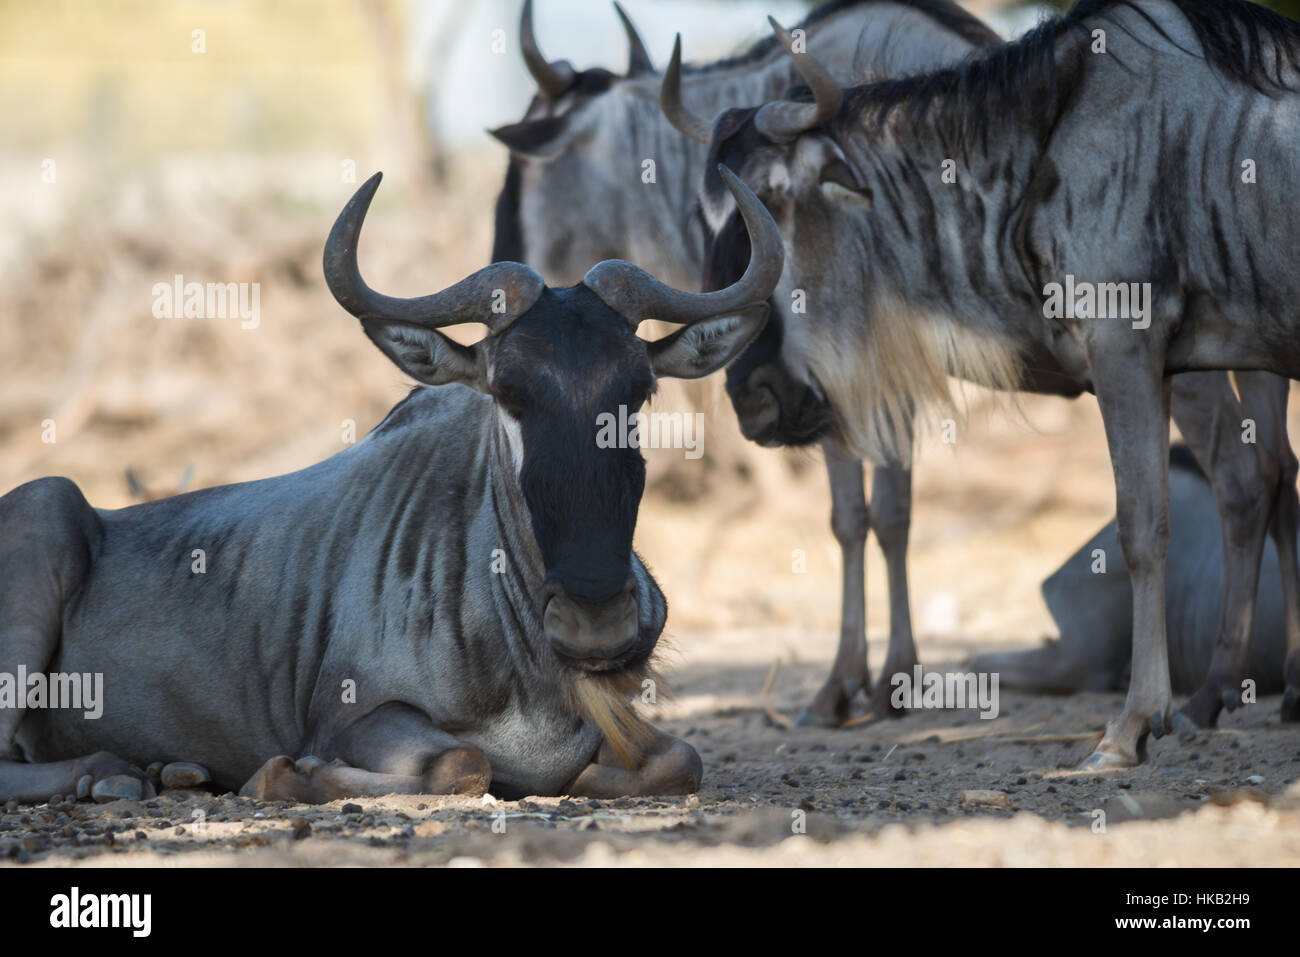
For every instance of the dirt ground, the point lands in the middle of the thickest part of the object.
(879, 796)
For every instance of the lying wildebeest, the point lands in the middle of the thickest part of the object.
(591, 131)
(1090, 598)
(452, 601)
(774, 388)
(960, 210)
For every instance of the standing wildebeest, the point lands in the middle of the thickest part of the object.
(588, 133)
(775, 389)
(1112, 152)
(467, 569)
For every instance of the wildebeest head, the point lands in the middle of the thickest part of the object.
(777, 150)
(556, 362)
(569, 115)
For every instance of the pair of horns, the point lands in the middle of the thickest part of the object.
(554, 78)
(780, 121)
(499, 294)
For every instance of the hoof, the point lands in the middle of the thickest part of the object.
(1160, 724)
(462, 770)
(183, 774)
(1291, 705)
(276, 780)
(120, 787)
(1184, 724)
(811, 719)
(1105, 761)
(84, 784)
(309, 763)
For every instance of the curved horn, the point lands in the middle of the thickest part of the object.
(638, 58)
(670, 101)
(637, 296)
(782, 120)
(470, 300)
(551, 80)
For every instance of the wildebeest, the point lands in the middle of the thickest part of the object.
(452, 601)
(778, 400)
(977, 213)
(1091, 601)
(590, 132)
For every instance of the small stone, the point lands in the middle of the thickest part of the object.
(984, 798)
(1255, 779)
(351, 809)
(118, 787)
(301, 828)
(1227, 797)
(184, 774)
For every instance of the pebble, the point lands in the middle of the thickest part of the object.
(184, 774)
(984, 798)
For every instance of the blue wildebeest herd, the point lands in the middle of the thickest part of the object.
(846, 216)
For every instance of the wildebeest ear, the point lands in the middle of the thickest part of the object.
(706, 346)
(428, 356)
(542, 139)
(839, 173)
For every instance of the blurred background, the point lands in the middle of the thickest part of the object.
(218, 139)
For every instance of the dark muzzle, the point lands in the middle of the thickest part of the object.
(592, 636)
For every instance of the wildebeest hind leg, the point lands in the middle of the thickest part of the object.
(1261, 391)
(45, 531)
(395, 749)
(1210, 418)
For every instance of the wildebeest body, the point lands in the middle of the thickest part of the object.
(355, 569)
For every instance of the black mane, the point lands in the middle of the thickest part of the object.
(1018, 81)
(944, 12)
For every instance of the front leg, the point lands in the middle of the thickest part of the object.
(1133, 393)
(394, 749)
(671, 766)
(891, 520)
(850, 522)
